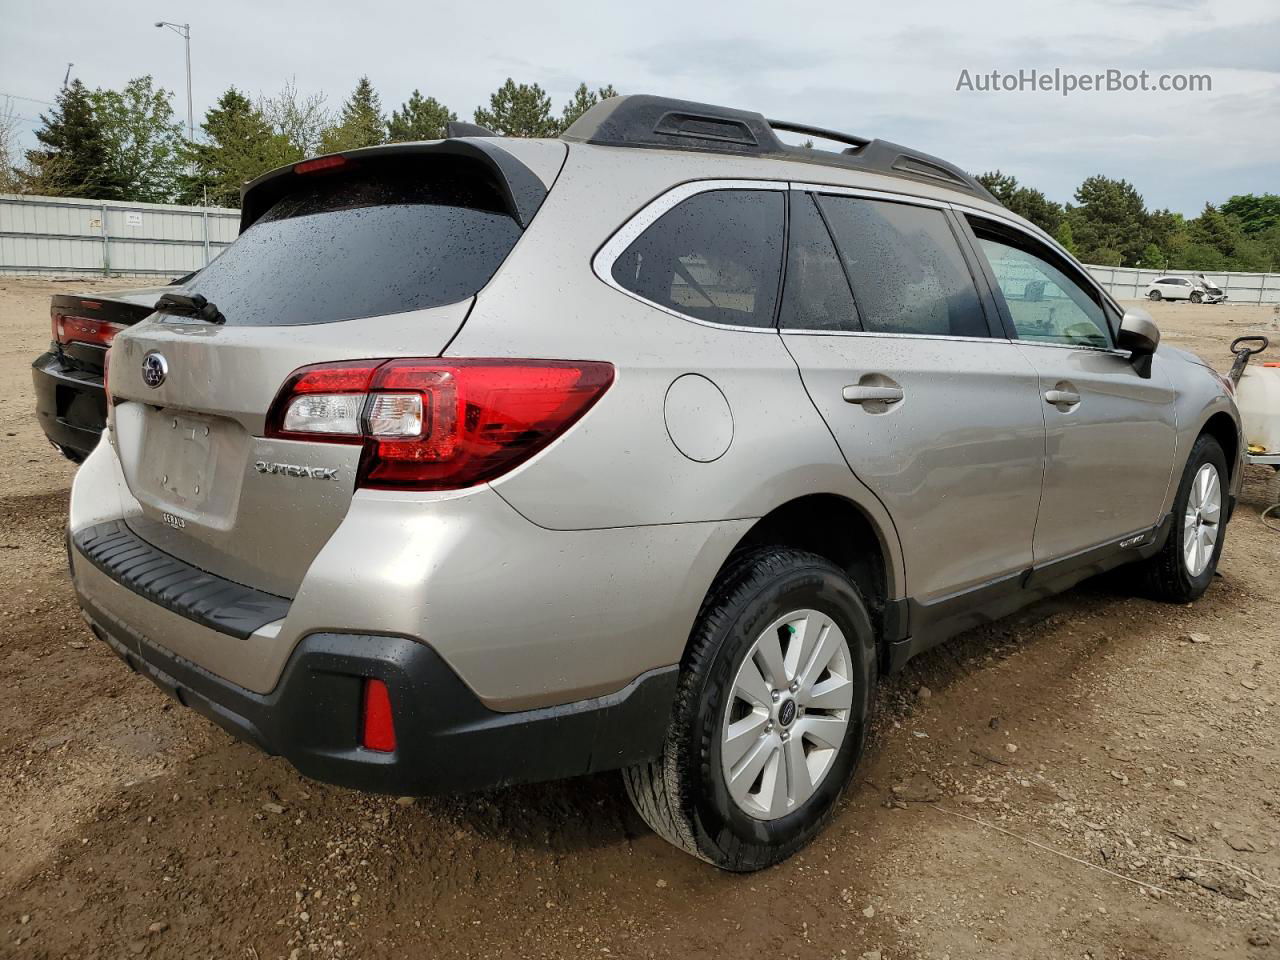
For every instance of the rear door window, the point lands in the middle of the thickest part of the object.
(388, 238)
(907, 271)
(815, 293)
(716, 256)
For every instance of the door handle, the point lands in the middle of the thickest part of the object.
(1062, 398)
(861, 394)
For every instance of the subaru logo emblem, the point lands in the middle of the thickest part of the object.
(154, 369)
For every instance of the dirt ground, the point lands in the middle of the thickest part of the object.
(1098, 777)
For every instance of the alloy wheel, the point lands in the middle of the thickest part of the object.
(788, 714)
(1202, 523)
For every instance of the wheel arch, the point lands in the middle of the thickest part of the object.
(847, 534)
(1222, 427)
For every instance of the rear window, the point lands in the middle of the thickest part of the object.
(385, 240)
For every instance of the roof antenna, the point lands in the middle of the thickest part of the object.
(67, 76)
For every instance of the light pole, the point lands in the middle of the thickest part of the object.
(184, 31)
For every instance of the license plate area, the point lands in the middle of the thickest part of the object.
(189, 468)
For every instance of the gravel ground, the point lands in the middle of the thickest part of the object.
(1098, 777)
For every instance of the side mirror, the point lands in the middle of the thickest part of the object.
(1140, 336)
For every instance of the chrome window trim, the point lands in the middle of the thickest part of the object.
(803, 332)
(870, 194)
(1039, 235)
(1115, 351)
(602, 263)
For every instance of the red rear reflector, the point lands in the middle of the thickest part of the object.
(377, 730)
(319, 164)
(438, 424)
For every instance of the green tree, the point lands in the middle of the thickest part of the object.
(239, 144)
(144, 143)
(361, 123)
(1153, 258)
(74, 159)
(419, 118)
(1111, 220)
(1065, 237)
(1256, 213)
(1215, 229)
(522, 110)
(583, 100)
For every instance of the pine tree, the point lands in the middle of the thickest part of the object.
(239, 145)
(361, 123)
(522, 110)
(75, 160)
(419, 118)
(582, 101)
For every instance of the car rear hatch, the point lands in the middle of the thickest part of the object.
(374, 254)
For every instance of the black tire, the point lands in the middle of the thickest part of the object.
(683, 795)
(1155, 295)
(1165, 575)
(1196, 296)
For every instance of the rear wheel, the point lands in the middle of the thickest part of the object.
(1184, 567)
(770, 715)
(1154, 295)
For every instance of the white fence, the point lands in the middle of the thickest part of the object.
(66, 236)
(1129, 283)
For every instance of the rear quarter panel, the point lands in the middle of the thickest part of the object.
(619, 466)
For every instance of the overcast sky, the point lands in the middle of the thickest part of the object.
(880, 70)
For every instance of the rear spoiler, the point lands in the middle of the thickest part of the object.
(521, 187)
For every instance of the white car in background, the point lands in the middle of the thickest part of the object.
(1175, 288)
(1197, 290)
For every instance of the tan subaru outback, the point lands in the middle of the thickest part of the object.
(647, 448)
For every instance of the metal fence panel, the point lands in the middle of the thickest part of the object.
(64, 235)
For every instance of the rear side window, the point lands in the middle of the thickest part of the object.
(716, 256)
(385, 239)
(907, 271)
(815, 294)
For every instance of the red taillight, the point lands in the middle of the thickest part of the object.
(377, 728)
(437, 425)
(319, 164)
(71, 329)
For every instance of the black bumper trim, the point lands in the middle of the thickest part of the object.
(446, 739)
(176, 585)
(81, 426)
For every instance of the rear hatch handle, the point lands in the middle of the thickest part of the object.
(194, 305)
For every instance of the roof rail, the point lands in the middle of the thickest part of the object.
(641, 120)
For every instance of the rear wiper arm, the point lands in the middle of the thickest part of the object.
(194, 305)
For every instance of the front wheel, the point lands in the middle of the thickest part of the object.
(770, 715)
(1196, 296)
(1184, 567)
(1154, 295)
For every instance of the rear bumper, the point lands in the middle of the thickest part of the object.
(71, 404)
(447, 741)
